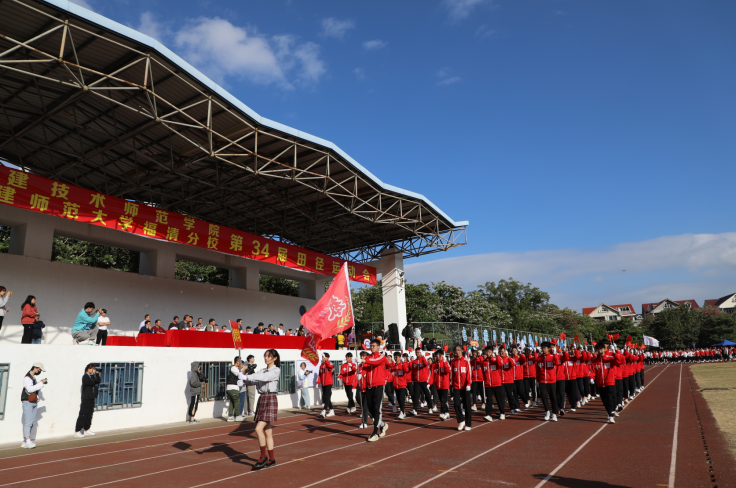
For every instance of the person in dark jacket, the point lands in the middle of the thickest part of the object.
(87, 408)
(196, 378)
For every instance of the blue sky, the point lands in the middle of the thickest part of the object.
(579, 138)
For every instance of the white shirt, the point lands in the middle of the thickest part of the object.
(281, 331)
(142, 324)
(234, 370)
(103, 322)
(29, 386)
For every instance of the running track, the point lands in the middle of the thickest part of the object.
(640, 450)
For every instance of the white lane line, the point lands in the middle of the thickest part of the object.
(163, 455)
(563, 463)
(139, 447)
(454, 468)
(252, 452)
(40, 453)
(673, 459)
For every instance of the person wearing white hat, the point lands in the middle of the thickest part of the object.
(29, 397)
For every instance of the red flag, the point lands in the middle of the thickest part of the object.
(594, 343)
(628, 338)
(536, 344)
(446, 347)
(615, 337)
(586, 343)
(563, 336)
(576, 338)
(237, 340)
(332, 314)
(410, 349)
(554, 341)
(465, 348)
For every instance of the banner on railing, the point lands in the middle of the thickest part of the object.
(32, 192)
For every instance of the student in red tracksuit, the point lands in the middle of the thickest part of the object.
(441, 375)
(640, 380)
(399, 371)
(476, 365)
(522, 394)
(390, 393)
(507, 367)
(325, 380)
(583, 381)
(594, 393)
(420, 375)
(430, 385)
(529, 370)
(571, 377)
(604, 364)
(348, 373)
(560, 384)
(375, 372)
(361, 396)
(461, 384)
(547, 378)
(619, 379)
(493, 382)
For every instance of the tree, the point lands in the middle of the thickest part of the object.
(202, 273)
(4, 238)
(716, 327)
(514, 297)
(675, 327)
(279, 286)
(368, 303)
(68, 250)
(421, 303)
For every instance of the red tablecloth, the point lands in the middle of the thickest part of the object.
(263, 341)
(194, 338)
(120, 341)
(151, 340)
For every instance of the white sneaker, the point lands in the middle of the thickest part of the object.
(518, 410)
(526, 405)
(473, 408)
(442, 416)
(447, 416)
(488, 418)
(322, 414)
(547, 415)
(79, 434)
(373, 438)
(231, 419)
(331, 413)
(578, 404)
(394, 408)
(461, 426)
(554, 418)
(28, 444)
(362, 426)
(611, 420)
(384, 428)
(88, 432)
(502, 416)
(424, 404)
(468, 428)
(483, 406)
(414, 412)
(239, 418)
(402, 416)
(615, 413)
(572, 409)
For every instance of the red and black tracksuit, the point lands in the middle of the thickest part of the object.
(461, 385)
(570, 371)
(521, 392)
(376, 368)
(325, 380)
(529, 370)
(399, 371)
(441, 378)
(420, 375)
(348, 375)
(493, 383)
(561, 382)
(476, 364)
(605, 379)
(508, 370)
(547, 379)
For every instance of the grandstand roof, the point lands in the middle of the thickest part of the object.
(95, 103)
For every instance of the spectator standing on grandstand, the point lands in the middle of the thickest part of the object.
(281, 330)
(233, 391)
(174, 325)
(157, 329)
(4, 297)
(28, 316)
(102, 324)
(143, 322)
(29, 399)
(248, 392)
(196, 378)
(87, 408)
(303, 383)
(325, 379)
(85, 326)
(267, 383)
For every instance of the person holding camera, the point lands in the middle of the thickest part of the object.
(196, 378)
(29, 398)
(232, 389)
(85, 326)
(4, 297)
(303, 376)
(248, 392)
(90, 379)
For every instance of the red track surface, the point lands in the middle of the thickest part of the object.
(521, 451)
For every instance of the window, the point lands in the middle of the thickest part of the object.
(669, 305)
(624, 309)
(336, 382)
(287, 378)
(613, 317)
(121, 386)
(688, 304)
(215, 373)
(4, 374)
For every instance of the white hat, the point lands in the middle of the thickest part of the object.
(39, 365)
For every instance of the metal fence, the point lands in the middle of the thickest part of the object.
(336, 382)
(215, 373)
(287, 378)
(452, 333)
(4, 375)
(121, 386)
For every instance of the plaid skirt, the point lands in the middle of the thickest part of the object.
(267, 408)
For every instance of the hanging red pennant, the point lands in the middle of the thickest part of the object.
(576, 339)
(563, 336)
(615, 337)
(446, 347)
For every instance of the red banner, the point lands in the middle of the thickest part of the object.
(33, 192)
(237, 340)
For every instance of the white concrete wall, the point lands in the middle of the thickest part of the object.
(165, 386)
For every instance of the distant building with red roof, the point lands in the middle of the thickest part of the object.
(657, 307)
(605, 313)
(725, 304)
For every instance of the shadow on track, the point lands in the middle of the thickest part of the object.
(577, 483)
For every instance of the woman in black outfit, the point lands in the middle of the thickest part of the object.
(87, 408)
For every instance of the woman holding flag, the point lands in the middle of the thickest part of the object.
(267, 384)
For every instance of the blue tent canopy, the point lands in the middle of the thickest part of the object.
(725, 342)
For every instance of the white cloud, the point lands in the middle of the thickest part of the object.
(374, 45)
(332, 27)
(83, 3)
(221, 49)
(680, 267)
(445, 78)
(359, 73)
(484, 31)
(150, 26)
(460, 9)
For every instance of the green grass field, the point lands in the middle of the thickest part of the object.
(721, 402)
